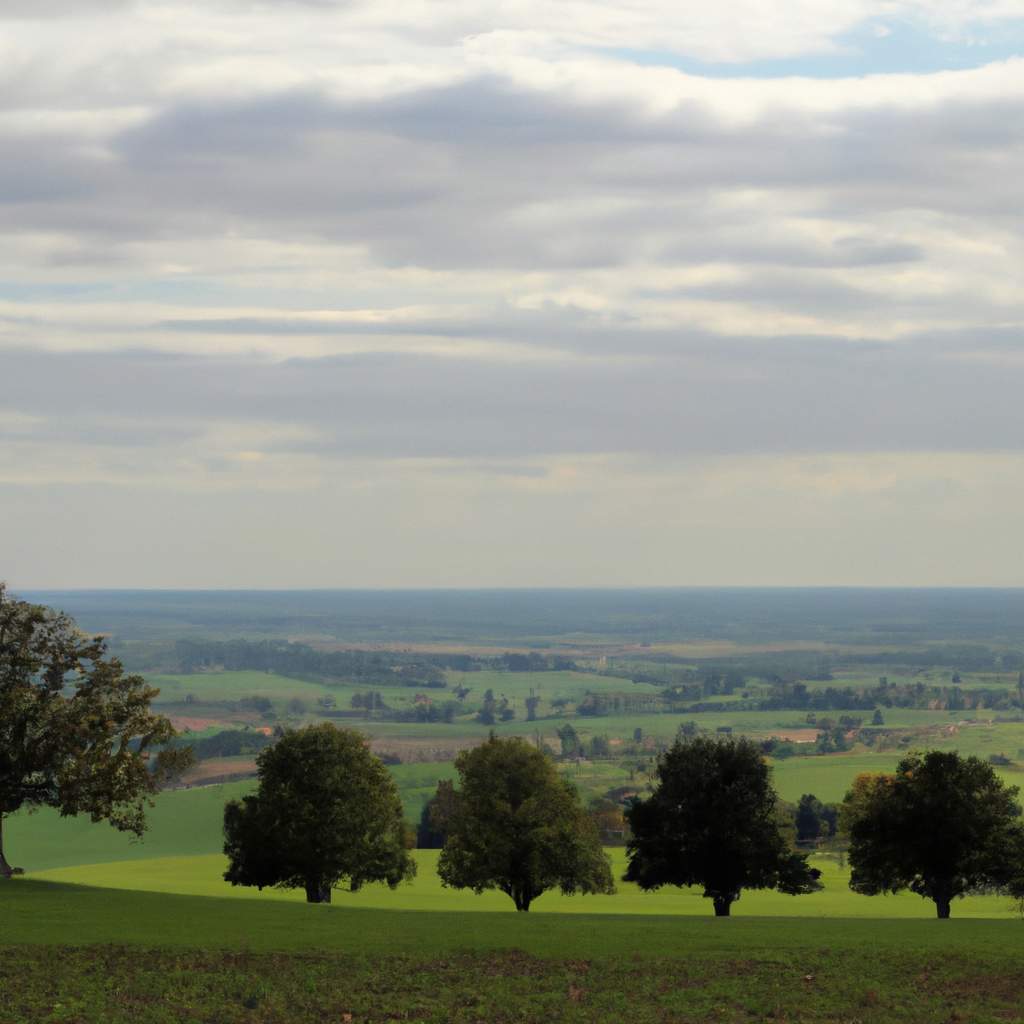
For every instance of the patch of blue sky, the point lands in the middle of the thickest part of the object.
(874, 47)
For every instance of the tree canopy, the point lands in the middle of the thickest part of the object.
(326, 812)
(76, 733)
(516, 825)
(942, 826)
(712, 821)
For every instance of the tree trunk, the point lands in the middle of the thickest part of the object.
(522, 900)
(317, 891)
(5, 869)
(942, 907)
(722, 905)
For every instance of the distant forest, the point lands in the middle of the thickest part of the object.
(543, 618)
(379, 668)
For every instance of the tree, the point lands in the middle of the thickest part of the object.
(712, 821)
(943, 826)
(76, 733)
(326, 811)
(569, 740)
(532, 703)
(814, 820)
(487, 713)
(433, 827)
(518, 826)
(607, 817)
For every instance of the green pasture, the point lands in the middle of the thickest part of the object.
(182, 822)
(417, 783)
(203, 876)
(218, 687)
(867, 678)
(829, 777)
(75, 954)
(232, 686)
(47, 912)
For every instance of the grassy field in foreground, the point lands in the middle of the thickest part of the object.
(203, 876)
(116, 986)
(36, 912)
(87, 955)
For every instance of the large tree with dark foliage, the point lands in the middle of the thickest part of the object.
(327, 811)
(943, 826)
(712, 821)
(518, 826)
(76, 733)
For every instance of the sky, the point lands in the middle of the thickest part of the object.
(440, 293)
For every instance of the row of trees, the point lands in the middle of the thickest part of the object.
(327, 813)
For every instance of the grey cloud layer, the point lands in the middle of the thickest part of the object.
(487, 173)
(797, 396)
(801, 214)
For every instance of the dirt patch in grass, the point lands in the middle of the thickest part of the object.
(218, 768)
(198, 723)
(793, 735)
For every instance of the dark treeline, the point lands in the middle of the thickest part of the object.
(762, 695)
(377, 668)
(711, 678)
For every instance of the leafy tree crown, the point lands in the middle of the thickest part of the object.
(516, 825)
(712, 821)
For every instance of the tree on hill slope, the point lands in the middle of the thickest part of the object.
(942, 826)
(327, 811)
(76, 733)
(712, 821)
(516, 825)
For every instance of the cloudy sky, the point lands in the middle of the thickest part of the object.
(510, 292)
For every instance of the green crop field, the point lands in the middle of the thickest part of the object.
(225, 686)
